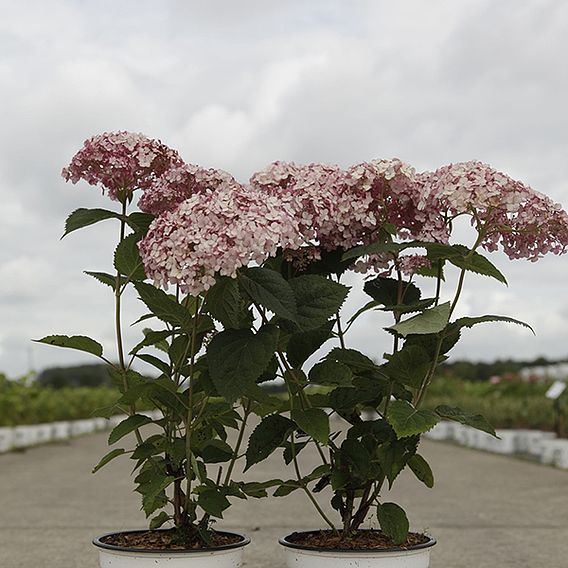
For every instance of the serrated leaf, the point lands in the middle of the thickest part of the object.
(303, 344)
(163, 306)
(237, 358)
(430, 321)
(456, 414)
(330, 372)
(314, 422)
(408, 421)
(155, 362)
(140, 222)
(104, 278)
(386, 291)
(224, 302)
(212, 501)
(77, 342)
(471, 321)
(269, 289)
(126, 426)
(393, 521)
(215, 451)
(84, 217)
(421, 470)
(475, 262)
(266, 437)
(409, 365)
(159, 520)
(153, 338)
(109, 457)
(354, 359)
(127, 258)
(317, 299)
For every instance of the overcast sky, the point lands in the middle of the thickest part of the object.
(236, 85)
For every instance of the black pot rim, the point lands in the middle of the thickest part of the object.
(377, 551)
(100, 544)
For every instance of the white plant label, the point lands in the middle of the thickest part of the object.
(555, 390)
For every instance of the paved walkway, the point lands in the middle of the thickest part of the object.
(486, 511)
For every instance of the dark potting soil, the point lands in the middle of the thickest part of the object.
(363, 539)
(166, 540)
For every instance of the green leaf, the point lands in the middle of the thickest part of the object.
(237, 358)
(78, 342)
(475, 262)
(303, 344)
(224, 302)
(409, 365)
(386, 290)
(163, 306)
(155, 362)
(104, 278)
(456, 414)
(215, 451)
(212, 501)
(330, 372)
(84, 217)
(471, 321)
(127, 258)
(354, 359)
(151, 337)
(126, 426)
(269, 289)
(433, 320)
(314, 422)
(286, 488)
(108, 457)
(393, 521)
(421, 470)
(317, 299)
(159, 520)
(140, 222)
(266, 437)
(408, 421)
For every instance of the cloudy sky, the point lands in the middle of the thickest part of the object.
(236, 85)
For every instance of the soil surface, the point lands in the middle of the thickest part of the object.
(363, 539)
(166, 540)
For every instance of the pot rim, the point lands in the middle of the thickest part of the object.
(340, 551)
(100, 544)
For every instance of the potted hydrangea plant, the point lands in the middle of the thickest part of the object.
(370, 218)
(184, 458)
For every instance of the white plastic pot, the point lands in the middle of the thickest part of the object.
(461, 434)
(529, 441)
(227, 556)
(505, 444)
(61, 430)
(6, 439)
(81, 427)
(101, 423)
(300, 556)
(25, 436)
(555, 452)
(44, 433)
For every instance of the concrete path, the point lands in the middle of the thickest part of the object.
(486, 511)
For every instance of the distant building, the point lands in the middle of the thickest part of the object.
(557, 372)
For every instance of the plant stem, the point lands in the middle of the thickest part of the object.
(247, 411)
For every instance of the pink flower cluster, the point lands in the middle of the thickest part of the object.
(524, 222)
(216, 232)
(121, 162)
(177, 184)
(207, 223)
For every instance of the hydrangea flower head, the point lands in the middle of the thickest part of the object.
(120, 162)
(216, 231)
(506, 212)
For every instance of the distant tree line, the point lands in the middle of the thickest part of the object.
(482, 371)
(93, 375)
